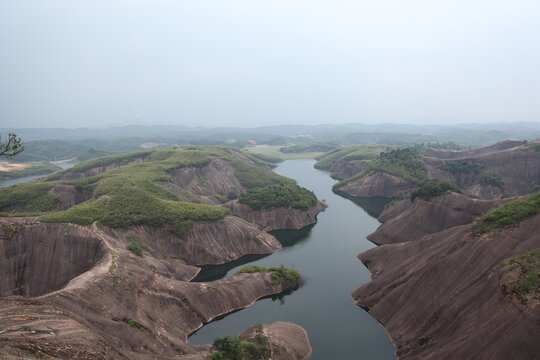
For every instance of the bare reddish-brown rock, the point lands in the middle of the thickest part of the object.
(288, 341)
(423, 217)
(440, 296)
(378, 184)
(277, 218)
(143, 307)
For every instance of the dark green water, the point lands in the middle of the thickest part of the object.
(325, 254)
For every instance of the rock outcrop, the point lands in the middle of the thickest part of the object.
(423, 217)
(440, 297)
(277, 218)
(215, 178)
(141, 307)
(438, 289)
(378, 184)
(288, 341)
(346, 169)
(516, 162)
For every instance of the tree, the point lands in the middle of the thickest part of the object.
(12, 147)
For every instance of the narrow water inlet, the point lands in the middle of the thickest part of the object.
(326, 256)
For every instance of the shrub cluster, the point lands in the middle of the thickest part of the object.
(348, 153)
(508, 215)
(490, 179)
(253, 177)
(461, 167)
(528, 280)
(232, 348)
(283, 195)
(432, 188)
(290, 279)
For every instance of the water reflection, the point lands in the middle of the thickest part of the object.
(216, 272)
(374, 206)
(287, 238)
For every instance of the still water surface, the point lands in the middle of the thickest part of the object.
(325, 254)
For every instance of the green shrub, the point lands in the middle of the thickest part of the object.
(432, 188)
(135, 246)
(222, 199)
(130, 206)
(508, 215)
(461, 167)
(253, 177)
(284, 195)
(490, 179)
(348, 153)
(232, 348)
(404, 163)
(290, 279)
(32, 197)
(528, 280)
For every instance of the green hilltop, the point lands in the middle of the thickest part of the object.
(137, 188)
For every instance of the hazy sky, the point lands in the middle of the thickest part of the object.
(78, 63)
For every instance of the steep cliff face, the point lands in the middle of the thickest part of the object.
(517, 164)
(215, 178)
(39, 258)
(143, 307)
(440, 297)
(277, 218)
(427, 217)
(209, 243)
(69, 196)
(378, 184)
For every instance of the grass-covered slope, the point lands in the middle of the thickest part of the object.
(508, 215)
(283, 195)
(404, 163)
(133, 193)
(348, 153)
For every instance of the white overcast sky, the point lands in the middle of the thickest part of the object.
(73, 63)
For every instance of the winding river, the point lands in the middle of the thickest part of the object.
(325, 255)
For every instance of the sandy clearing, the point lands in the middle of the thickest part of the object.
(13, 167)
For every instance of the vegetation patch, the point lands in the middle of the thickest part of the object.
(309, 147)
(432, 188)
(290, 279)
(254, 177)
(348, 153)
(528, 281)
(404, 163)
(392, 203)
(135, 245)
(140, 190)
(283, 195)
(31, 198)
(508, 215)
(490, 179)
(133, 323)
(459, 167)
(232, 348)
